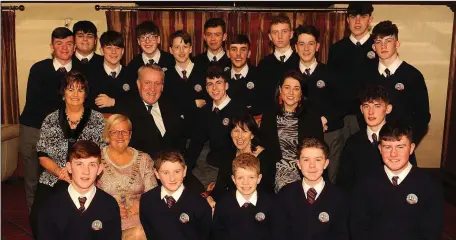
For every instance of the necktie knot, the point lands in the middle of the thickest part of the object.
(374, 139)
(214, 59)
(311, 195)
(149, 108)
(184, 74)
(307, 71)
(62, 69)
(170, 201)
(237, 76)
(84, 61)
(246, 204)
(82, 201)
(394, 180)
(387, 73)
(151, 61)
(358, 44)
(113, 74)
(216, 110)
(282, 58)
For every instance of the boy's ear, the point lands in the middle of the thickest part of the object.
(156, 174)
(232, 178)
(100, 169)
(298, 163)
(68, 167)
(185, 171)
(259, 178)
(389, 108)
(326, 163)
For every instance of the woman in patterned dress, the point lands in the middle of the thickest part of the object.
(127, 174)
(59, 131)
(287, 124)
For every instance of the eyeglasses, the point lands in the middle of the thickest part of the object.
(152, 38)
(124, 133)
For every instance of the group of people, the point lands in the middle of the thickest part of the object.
(302, 149)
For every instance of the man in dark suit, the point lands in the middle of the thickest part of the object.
(85, 38)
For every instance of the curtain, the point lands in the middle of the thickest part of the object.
(255, 25)
(10, 99)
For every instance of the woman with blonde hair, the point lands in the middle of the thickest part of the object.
(127, 174)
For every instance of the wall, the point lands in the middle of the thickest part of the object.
(425, 34)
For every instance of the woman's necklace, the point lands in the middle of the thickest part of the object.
(74, 123)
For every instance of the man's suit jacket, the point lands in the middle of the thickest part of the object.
(145, 134)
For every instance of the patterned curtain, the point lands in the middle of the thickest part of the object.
(254, 24)
(10, 96)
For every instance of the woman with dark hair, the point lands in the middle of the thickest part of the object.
(286, 124)
(244, 133)
(59, 131)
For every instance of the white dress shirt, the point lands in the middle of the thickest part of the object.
(241, 200)
(189, 69)
(401, 175)
(392, 68)
(362, 40)
(108, 70)
(176, 195)
(312, 66)
(219, 55)
(370, 132)
(57, 65)
(287, 54)
(75, 195)
(158, 119)
(244, 71)
(80, 57)
(318, 187)
(223, 104)
(156, 57)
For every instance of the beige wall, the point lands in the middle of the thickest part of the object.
(34, 27)
(425, 34)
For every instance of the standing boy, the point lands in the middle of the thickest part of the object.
(83, 211)
(174, 211)
(85, 38)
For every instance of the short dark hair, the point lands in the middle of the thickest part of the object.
(359, 9)
(304, 89)
(247, 122)
(84, 149)
(215, 22)
(373, 92)
(281, 18)
(239, 39)
(112, 38)
(60, 33)
(147, 27)
(72, 78)
(313, 143)
(384, 29)
(86, 27)
(168, 156)
(395, 130)
(216, 71)
(306, 29)
(182, 34)
(246, 161)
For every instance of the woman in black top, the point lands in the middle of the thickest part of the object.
(59, 131)
(286, 124)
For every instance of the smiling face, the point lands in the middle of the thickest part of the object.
(85, 42)
(375, 112)
(149, 43)
(246, 181)
(171, 175)
(306, 47)
(396, 154)
(84, 172)
(291, 93)
(119, 136)
(386, 47)
(63, 49)
(312, 163)
(150, 85)
(238, 54)
(216, 87)
(359, 24)
(281, 35)
(74, 95)
(112, 54)
(242, 138)
(214, 38)
(180, 50)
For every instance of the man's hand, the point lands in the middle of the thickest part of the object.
(104, 100)
(324, 122)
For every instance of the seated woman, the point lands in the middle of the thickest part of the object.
(59, 131)
(127, 174)
(284, 126)
(244, 133)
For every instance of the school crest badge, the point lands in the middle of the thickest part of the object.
(323, 217)
(227, 69)
(164, 69)
(126, 87)
(371, 55)
(226, 121)
(321, 84)
(399, 86)
(250, 85)
(184, 218)
(198, 88)
(97, 225)
(412, 198)
(260, 217)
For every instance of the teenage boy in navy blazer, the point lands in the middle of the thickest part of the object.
(214, 37)
(83, 211)
(312, 208)
(85, 38)
(400, 201)
(246, 213)
(174, 211)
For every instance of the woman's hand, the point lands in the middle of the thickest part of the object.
(62, 174)
(200, 103)
(104, 100)
(324, 122)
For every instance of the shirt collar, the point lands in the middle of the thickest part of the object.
(108, 70)
(57, 65)
(362, 40)
(394, 66)
(75, 195)
(312, 66)
(241, 200)
(153, 105)
(210, 55)
(156, 57)
(80, 57)
(401, 175)
(244, 71)
(189, 69)
(176, 195)
(223, 104)
(318, 187)
(370, 132)
(287, 54)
